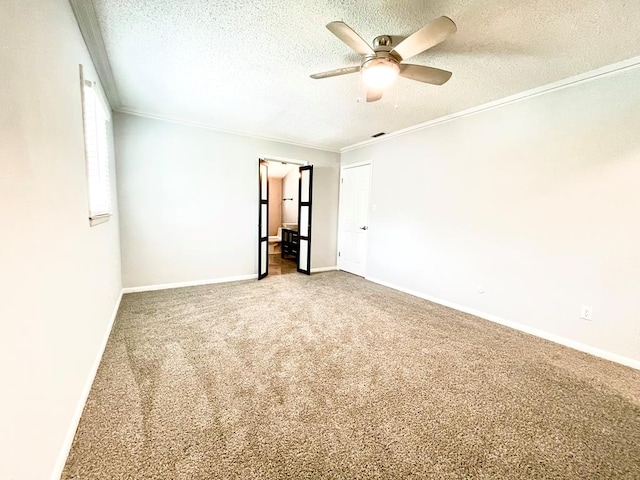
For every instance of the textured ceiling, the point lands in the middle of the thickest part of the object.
(244, 65)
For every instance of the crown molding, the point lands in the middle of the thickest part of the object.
(163, 118)
(612, 69)
(87, 20)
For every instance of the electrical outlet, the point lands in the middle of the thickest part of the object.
(586, 312)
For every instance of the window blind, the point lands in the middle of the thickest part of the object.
(96, 121)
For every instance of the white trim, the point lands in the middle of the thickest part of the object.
(323, 269)
(357, 164)
(90, 29)
(75, 420)
(100, 216)
(612, 69)
(614, 357)
(138, 113)
(165, 286)
(274, 158)
(99, 219)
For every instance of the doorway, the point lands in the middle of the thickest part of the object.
(284, 217)
(353, 225)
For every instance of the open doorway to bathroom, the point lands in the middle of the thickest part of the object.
(284, 218)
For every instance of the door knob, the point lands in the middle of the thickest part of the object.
(364, 228)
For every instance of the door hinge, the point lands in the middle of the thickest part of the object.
(342, 180)
(338, 253)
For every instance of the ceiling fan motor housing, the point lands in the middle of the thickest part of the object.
(383, 43)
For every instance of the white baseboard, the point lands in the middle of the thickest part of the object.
(165, 286)
(614, 357)
(75, 420)
(324, 269)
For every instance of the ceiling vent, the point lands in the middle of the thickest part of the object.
(379, 134)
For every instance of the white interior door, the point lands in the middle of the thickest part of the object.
(354, 219)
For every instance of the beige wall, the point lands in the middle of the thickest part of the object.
(275, 205)
(173, 180)
(60, 277)
(535, 201)
(290, 186)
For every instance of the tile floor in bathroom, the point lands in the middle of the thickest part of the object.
(281, 266)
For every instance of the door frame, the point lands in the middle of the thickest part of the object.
(292, 161)
(369, 209)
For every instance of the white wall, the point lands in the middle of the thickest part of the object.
(60, 277)
(189, 201)
(536, 201)
(290, 187)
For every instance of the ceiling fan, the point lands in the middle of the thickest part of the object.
(383, 63)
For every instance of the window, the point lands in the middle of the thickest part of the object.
(96, 124)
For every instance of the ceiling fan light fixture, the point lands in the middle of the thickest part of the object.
(379, 73)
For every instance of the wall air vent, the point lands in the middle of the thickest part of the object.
(379, 134)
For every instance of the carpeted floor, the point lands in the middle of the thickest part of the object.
(330, 376)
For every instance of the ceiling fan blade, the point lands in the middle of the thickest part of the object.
(336, 72)
(425, 38)
(431, 75)
(345, 33)
(374, 95)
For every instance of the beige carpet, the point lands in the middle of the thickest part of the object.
(330, 376)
